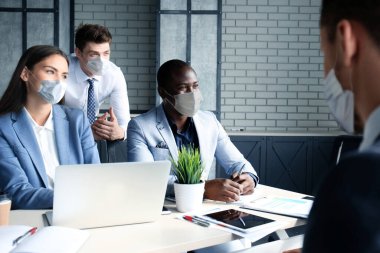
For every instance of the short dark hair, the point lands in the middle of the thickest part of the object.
(91, 33)
(14, 97)
(366, 12)
(166, 71)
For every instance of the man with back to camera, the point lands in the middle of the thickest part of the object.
(159, 133)
(345, 216)
(93, 78)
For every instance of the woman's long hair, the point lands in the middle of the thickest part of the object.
(14, 97)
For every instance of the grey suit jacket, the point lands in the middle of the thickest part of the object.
(150, 138)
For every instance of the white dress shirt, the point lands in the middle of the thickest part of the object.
(371, 130)
(110, 85)
(48, 147)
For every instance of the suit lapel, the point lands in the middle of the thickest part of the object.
(61, 133)
(204, 140)
(165, 131)
(26, 136)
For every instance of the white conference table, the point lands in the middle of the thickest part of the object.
(167, 234)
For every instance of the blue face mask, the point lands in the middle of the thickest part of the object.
(341, 102)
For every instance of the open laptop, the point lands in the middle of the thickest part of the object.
(109, 194)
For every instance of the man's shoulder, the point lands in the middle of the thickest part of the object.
(147, 116)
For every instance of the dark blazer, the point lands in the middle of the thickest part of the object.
(22, 170)
(346, 213)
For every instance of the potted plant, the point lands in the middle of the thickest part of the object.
(188, 187)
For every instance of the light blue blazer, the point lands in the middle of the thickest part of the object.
(150, 138)
(22, 170)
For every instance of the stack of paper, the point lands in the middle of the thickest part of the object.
(298, 208)
(45, 240)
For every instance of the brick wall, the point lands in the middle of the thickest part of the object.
(272, 66)
(271, 60)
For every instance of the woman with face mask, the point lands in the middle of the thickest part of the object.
(36, 134)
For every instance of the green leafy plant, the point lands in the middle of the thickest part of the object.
(188, 168)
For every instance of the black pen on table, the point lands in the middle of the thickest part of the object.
(25, 235)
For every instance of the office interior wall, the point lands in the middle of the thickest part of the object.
(271, 61)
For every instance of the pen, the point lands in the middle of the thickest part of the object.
(22, 237)
(221, 224)
(196, 221)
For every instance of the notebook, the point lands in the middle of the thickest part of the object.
(109, 194)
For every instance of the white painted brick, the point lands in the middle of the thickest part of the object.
(257, 16)
(256, 102)
(237, 101)
(286, 95)
(250, 9)
(235, 115)
(307, 123)
(257, 44)
(276, 87)
(256, 115)
(277, 116)
(288, 9)
(267, 23)
(278, 2)
(266, 123)
(245, 108)
(245, 94)
(260, 59)
(257, 73)
(287, 67)
(297, 116)
(287, 52)
(236, 30)
(302, 102)
(287, 109)
(278, 45)
(257, 2)
(266, 80)
(256, 87)
(300, 2)
(287, 23)
(246, 37)
(265, 95)
(286, 123)
(235, 15)
(267, 9)
(279, 16)
(265, 66)
(94, 8)
(267, 52)
(257, 30)
(269, 37)
(277, 101)
(278, 30)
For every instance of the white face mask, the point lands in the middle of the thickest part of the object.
(52, 91)
(341, 102)
(188, 103)
(97, 65)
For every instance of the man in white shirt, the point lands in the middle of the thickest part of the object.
(93, 79)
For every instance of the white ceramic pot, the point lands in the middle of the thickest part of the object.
(189, 197)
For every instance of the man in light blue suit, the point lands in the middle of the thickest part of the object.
(36, 135)
(159, 133)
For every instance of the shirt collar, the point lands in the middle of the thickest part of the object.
(49, 125)
(173, 126)
(371, 129)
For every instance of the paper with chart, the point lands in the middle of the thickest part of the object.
(299, 208)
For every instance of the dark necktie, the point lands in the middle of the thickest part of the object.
(91, 114)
